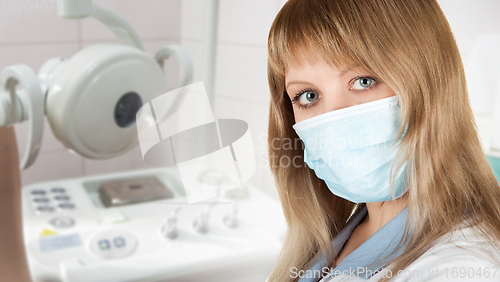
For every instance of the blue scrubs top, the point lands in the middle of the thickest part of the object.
(362, 259)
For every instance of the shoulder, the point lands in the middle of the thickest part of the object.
(459, 255)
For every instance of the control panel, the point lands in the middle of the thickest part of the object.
(74, 232)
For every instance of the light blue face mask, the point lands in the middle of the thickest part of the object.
(350, 149)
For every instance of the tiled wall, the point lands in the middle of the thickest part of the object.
(470, 18)
(241, 89)
(241, 84)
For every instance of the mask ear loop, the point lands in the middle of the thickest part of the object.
(400, 159)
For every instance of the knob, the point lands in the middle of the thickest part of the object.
(230, 219)
(169, 228)
(240, 192)
(200, 224)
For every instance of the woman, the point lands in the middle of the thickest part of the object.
(391, 181)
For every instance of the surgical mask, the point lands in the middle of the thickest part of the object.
(352, 150)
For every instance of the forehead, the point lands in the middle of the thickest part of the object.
(303, 58)
(314, 68)
(307, 59)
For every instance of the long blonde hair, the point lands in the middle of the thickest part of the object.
(408, 45)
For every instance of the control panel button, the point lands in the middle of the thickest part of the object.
(62, 198)
(44, 209)
(41, 200)
(66, 206)
(38, 192)
(112, 244)
(119, 242)
(104, 245)
(62, 222)
(58, 190)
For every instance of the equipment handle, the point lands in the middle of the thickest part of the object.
(186, 73)
(32, 106)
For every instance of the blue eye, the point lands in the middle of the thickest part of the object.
(308, 97)
(305, 98)
(363, 83)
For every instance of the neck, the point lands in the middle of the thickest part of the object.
(379, 213)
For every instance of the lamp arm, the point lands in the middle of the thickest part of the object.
(76, 9)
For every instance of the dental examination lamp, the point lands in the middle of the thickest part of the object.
(90, 100)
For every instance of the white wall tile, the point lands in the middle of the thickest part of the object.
(195, 50)
(34, 55)
(192, 19)
(52, 166)
(280, 3)
(242, 73)
(34, 26)
(469, 18)
(241, 68)
(151, 19)
(246, 21)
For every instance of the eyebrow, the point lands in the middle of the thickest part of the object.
(297, 82)
(344, 71)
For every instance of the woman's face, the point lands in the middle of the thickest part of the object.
(318, 88)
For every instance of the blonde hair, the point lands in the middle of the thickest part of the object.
(408, 45)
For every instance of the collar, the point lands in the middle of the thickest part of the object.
(378, 246)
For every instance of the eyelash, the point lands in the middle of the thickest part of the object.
(351, 83)
(297, 96)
